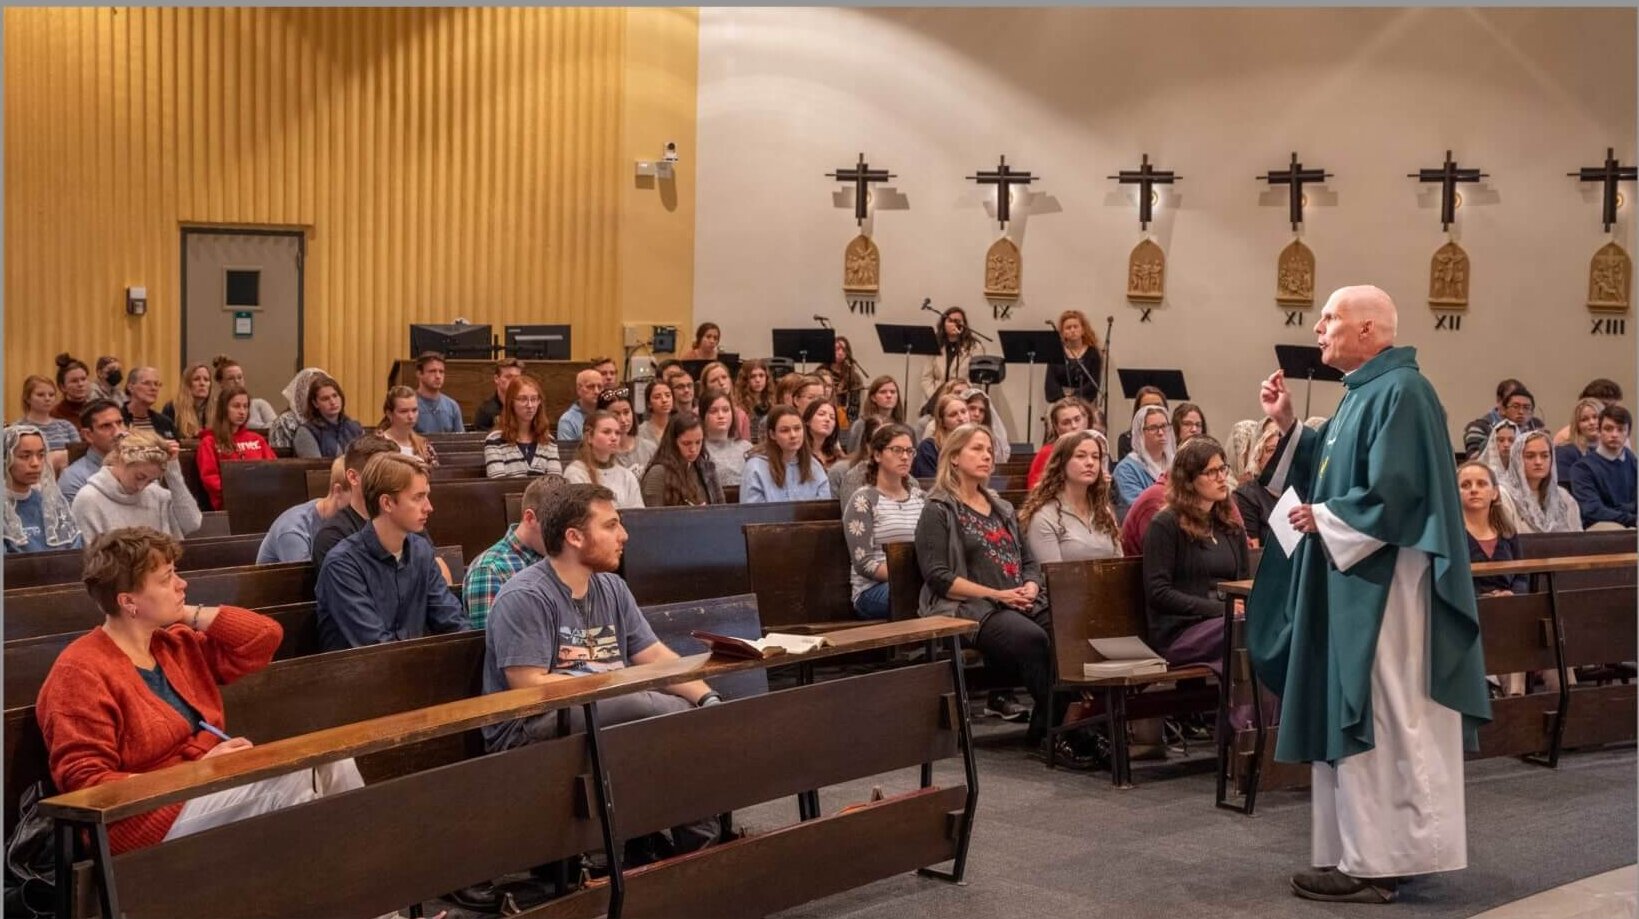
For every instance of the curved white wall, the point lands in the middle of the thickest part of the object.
(787, 95)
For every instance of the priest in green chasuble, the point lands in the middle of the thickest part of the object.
(1369, 631)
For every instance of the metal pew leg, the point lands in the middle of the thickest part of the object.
(808, 804)
(606, 813)
(970, 766)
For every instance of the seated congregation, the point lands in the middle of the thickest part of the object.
(550, 596)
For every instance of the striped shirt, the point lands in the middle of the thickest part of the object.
(871, 520)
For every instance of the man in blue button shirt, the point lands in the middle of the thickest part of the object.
(588, 383)
(383, 583)
(439, 413)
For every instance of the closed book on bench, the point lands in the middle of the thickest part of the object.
(1125, 656)
(771, 645)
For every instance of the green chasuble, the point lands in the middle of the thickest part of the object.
(1383, 464)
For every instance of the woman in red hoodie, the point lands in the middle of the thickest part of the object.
(141, 692)
(228, 439)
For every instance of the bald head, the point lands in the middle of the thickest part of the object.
(1355, 324)
(588, 383)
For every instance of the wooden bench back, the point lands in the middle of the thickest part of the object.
(1093, 599)
(440, 829)
(1596, 542)
(212, 525)
(40, 569)
(904, 581)
(471, 513)
(256, 492)
(682, 553)
(800, 572)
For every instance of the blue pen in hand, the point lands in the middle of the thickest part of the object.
(206, 725)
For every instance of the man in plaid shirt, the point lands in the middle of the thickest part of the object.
(517, 550)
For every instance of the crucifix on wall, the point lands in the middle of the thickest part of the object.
(1448, 271)
(1610, 274)
(1004, 263)
(1147, 265)
(1295, 268)
(861, 260)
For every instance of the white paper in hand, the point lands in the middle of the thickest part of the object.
(1279, 522)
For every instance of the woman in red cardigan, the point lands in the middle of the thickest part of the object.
(228, 439)
(140, 692)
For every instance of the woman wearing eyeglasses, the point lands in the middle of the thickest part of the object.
(1153, 449)
(1196, 541)
(884, 510)
(521, 444)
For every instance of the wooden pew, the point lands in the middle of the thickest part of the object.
(1554, 630)
(471, 513)
(800, 573)
(1105, 599)
(318, 480)
(677, 553)
(1597, 542)
(258, 491)
(439, 829)
(39, 569)
(300, 694)
(36, 611)
(214, 525)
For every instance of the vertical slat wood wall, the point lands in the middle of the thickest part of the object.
(443, 162)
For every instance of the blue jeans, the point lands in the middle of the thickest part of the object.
(873, 602)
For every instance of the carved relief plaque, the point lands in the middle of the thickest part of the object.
(1610, 280)
(1003, 270)
(1448, 278)
(1295, 276)
(1147, 273)
(861, 266)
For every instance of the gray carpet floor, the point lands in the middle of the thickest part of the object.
(1053, 844)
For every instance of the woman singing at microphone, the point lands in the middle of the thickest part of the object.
(957, 345)
(1080, 372)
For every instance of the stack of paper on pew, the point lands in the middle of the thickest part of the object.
(775, 643)
(1125, 656)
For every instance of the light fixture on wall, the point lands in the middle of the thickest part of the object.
(136, 301)
(660, 168)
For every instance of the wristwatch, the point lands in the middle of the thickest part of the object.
(710, 698)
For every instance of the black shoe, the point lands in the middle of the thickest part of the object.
(1332, 885)
(479, 898)
(1077, 752)
(1002, 705)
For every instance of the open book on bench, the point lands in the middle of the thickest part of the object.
(1125, 656)
(770, 645)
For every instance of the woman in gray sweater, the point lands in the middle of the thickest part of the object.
(126, 491)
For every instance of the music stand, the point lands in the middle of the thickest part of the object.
(1303, 362)
(907, 340)
(1030, 347)
(797, 344)
(1170, 382)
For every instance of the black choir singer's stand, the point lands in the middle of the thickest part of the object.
(1303, 362)
(906, 340)
(1029, 347)
(798, 344)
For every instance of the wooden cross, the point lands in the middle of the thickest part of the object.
(862, 175)
(1146, 177)
(1296, 177)
(1610, 173)
(1004, 178)
(1448, 175)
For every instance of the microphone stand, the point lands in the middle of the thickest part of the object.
(1104, 389)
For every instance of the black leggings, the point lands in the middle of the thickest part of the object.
(1020, 646)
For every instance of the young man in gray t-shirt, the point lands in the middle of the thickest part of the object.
(570, 615)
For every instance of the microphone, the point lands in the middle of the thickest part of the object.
(927, 304)
(1050, 324)
(822, 320)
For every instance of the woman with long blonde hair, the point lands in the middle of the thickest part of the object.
(950, 413)
(1068, 516)
(191, 407)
